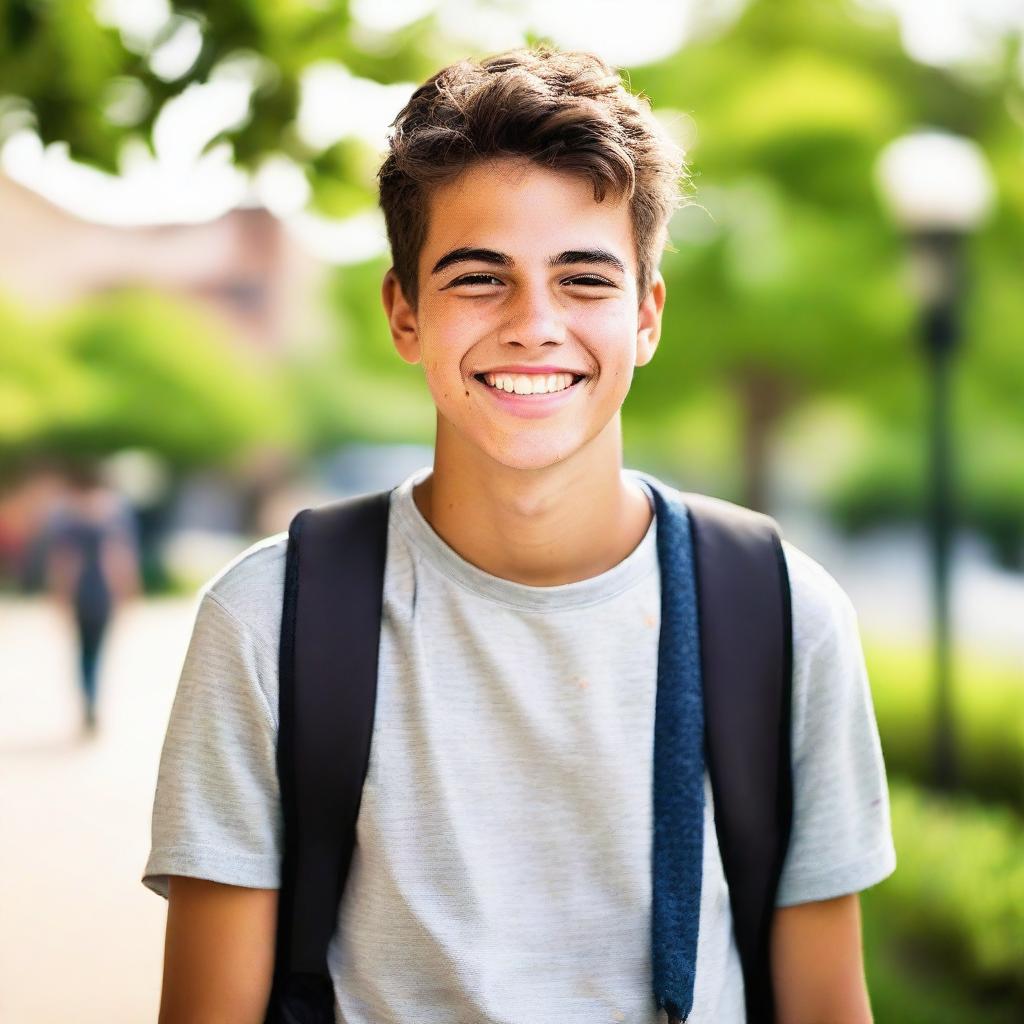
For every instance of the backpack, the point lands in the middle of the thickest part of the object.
(328, 675)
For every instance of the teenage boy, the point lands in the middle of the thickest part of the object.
(502, 866)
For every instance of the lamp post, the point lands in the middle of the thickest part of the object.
(938, 189)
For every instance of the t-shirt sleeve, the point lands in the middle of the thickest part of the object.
(216, 814)
(841, 840)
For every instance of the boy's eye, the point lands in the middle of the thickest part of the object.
(476, 279)
(590, 281)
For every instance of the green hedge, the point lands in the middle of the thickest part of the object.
(944, 935)
(989, 716)
(135, 369)
(889, 481)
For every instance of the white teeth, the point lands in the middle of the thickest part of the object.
(529, 384)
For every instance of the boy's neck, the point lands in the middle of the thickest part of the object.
(560, 524)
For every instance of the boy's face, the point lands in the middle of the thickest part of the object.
(524, 277)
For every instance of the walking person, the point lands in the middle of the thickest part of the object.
(91, 569)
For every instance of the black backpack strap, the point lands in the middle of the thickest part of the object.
(330, 630)
(746, 644)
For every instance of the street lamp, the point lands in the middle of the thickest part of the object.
(938, 189)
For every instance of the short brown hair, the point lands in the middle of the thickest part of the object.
(564, 110)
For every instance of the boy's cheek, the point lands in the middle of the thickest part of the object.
(432, 373)
(445, 387)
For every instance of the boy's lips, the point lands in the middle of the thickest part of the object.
(532, 406)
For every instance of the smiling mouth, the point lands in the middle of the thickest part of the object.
(529, 384)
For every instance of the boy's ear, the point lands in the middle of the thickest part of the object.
(649, 322)
(401, 318)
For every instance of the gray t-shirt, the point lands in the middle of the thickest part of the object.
(502, 866)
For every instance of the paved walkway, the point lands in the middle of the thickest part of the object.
(80, 938)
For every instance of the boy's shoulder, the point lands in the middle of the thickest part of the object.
(822, 611)
(820, 606)
(250, 588)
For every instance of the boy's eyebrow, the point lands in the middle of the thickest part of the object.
(500, 259)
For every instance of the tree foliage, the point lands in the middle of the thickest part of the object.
(789, 279)
(111, 86)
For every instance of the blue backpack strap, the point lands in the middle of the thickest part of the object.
(677, 851)
(746, 651)
(330, 629)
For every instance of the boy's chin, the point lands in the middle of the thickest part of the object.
(527, 450)
(534, 458)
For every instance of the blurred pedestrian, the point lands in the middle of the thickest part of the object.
(92, 567)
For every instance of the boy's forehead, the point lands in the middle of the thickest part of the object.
(502, 204)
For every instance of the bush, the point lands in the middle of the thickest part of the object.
(889, 483)
(948, 925)
(164, 378)
(989, 720)
(37, 382)
(134, 370)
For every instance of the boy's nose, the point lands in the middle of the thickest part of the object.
(533, 320)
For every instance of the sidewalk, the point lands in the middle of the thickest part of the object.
(80, 938)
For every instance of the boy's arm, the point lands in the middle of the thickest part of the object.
(817, 965)
(219, 953)
(841, 839)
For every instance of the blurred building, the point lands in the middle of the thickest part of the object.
(244, 265)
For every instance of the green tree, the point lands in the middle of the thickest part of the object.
(789, 284)
(111, 86)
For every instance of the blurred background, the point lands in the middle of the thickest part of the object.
(192, 348)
